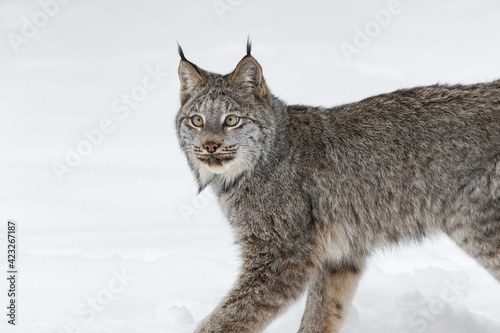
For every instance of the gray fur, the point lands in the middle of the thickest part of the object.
(310, 192)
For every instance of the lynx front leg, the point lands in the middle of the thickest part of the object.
(270, 279)
(329, 296)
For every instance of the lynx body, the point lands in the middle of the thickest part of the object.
(310, 192)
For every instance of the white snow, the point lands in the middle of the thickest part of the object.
(122, 243)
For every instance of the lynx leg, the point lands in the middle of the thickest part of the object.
(268, 282)
(329, 297)
(475, 221)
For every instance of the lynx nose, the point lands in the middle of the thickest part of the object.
(211, 147)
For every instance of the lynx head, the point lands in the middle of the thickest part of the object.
(226, 123)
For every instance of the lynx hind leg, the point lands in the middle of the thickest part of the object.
(475, 220)
(329, 296)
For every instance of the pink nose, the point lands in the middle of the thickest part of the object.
(211, 147)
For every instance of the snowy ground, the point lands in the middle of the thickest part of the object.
(121, 243)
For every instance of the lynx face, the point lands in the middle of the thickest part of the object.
(224, 122)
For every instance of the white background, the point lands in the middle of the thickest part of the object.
(130, 205)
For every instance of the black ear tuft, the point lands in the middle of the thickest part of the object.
(183, 57)
(249, 46)
(181, 53)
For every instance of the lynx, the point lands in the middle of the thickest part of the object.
(311, 192)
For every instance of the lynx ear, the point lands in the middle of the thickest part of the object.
(190, 76)
(248, 76)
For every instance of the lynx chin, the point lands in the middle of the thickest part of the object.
(311, 192)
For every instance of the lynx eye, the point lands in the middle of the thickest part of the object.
(231, 121)
(197, 121)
